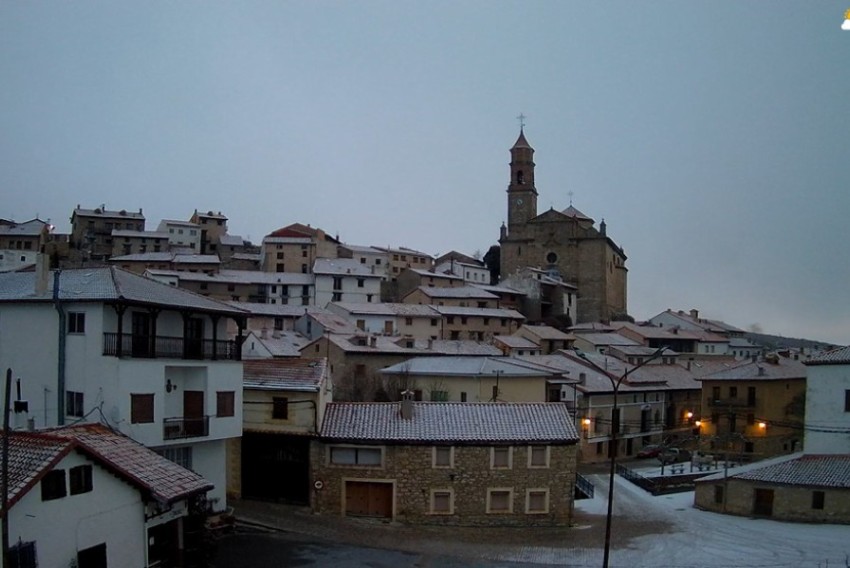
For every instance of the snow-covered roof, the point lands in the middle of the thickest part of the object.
(452, 422)
(295, 374)
(840, 356)
(344, 267)
(460, 292)
(504, 367)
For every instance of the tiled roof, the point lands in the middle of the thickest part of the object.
(459, 292)
(479, 312)
(423, 272)
(196, 259)
(547, 332)
(344, 267)
(795, 469)
(515, 342)
(505, 367)
(300, 374)
(177, 222)
(500, 289)
(287, 240)
(229, 276)
(387, 309)
(482, 423)
(333, 323)
(278, 344)
(108, 284)
(32, 454)
(107, 214)
(363, 249)
(404, 250)
(31, 228)
(166, 256)
(608, 339)
(762, 370)
(573, 212)
(231, 240)
(144, 234)
(210, 215)
(277, 310)
(840, 356)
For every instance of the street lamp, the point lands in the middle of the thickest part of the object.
(615, 426)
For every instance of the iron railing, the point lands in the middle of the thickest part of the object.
(149, 347)
(584, 488)
(176, 428)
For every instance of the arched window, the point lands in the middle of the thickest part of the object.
(520, 178)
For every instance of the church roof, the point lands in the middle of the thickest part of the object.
(573, 212)
(521, 142)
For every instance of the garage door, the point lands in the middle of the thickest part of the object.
(368, 499)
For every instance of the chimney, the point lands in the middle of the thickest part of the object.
(276, 334)
(695, 314)
(407, 405)
(761, 371)
(42, 271)
(373, 341)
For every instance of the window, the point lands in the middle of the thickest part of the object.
(360, 282)
(280, 408)
(442, 502)
(408, 321)
(278, 323)
(537, 501)
(439, 396)
(280, 256)
(22, 555)
(74, 404)
(450, 319)
(718, 494)
(337, 297)
(538, 456)
(442, 456)
(847, 401)
(53, 485)
(733, 392)
(76, 322)
(433, 322)
(80, 479)
(141, 408)
(181, 456)
(463, 397)
(340, 455)
(500, 457)
(500, 500)
(337, 282)
(225, 403)
(818, 498)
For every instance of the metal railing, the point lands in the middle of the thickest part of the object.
(584, 488)
(150, 347)
(176, 428)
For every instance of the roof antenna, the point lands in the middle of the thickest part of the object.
(570, 193)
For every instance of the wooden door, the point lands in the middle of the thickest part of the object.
(193, 413)
(367, 499)
(141, 333)
(763, 502)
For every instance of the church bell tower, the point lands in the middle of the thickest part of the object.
(522, 195)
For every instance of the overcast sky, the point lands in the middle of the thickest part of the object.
(712, 137)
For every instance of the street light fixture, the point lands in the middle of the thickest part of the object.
(615, 426)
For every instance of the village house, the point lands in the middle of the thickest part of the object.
(545, 296)
(151, 360)
(477, 324)
(88, 496)
(369, 256)
(346, 280)
(356, 359)
(273, 317)
(183, 234)
(516, 346)
(808, 486)
(126, 242)
(754, 410)
(213, 225)
(91, 230)
(284, 404)
(548, 338)
(475, 379)
(315, 324)
(285, 288)
(459, 296)
(169, 261)
(267, 344)
(295, 248)
(472, 272)
(21, 242)
(410, 279)
(509, 464)
(401, 258)
(411, 320)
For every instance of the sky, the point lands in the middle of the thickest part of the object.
(712, 136)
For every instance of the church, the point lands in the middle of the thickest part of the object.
(563, 243)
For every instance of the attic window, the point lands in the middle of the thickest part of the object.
(53, 485)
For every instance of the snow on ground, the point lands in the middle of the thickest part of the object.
(704, 539)
(691, 538)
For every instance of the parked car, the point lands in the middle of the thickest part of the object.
(650, 451)
(674, 455)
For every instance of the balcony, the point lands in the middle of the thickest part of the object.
(732, 403)
(151, 347)
(179, 428)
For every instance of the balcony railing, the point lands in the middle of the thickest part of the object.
(177, 428)
(150, 347)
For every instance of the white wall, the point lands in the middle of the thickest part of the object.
(825, 388)
(112, 512)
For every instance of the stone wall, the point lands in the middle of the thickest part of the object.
(790, 503)
(410, 470)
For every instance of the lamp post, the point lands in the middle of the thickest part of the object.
(615, 426)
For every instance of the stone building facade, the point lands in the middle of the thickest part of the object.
(565, 243)
(519, 470)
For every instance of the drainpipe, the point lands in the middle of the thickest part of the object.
(60, 375)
